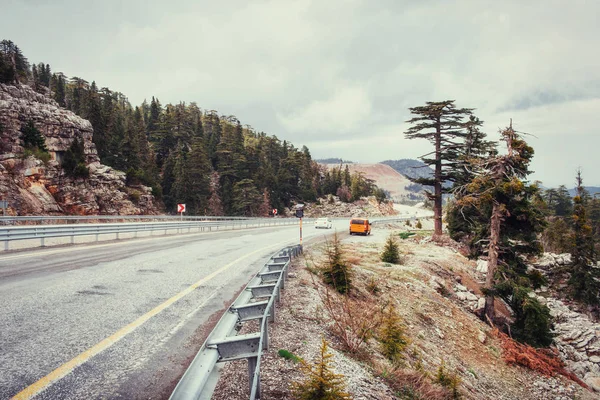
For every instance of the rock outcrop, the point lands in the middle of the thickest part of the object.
(577, 340)
(333, 207)
(33, 187)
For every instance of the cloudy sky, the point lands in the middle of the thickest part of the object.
(339, 75)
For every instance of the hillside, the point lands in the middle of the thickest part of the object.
(435, 291)
(386, 178)
(410, 168)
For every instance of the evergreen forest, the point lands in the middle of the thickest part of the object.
(213, 163)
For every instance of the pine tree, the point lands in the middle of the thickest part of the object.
(198, 169)
(14, 67)
(391, 252)
(74, 160)
(58, 87)
(442, 124)
(215, 207)
(264, 209)
(584, 282)
(32, 138)
(392, 337)
(337, 272)
(507, 230)
(321, 382)
(245, 198)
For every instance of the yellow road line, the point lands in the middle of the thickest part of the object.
(67, 367)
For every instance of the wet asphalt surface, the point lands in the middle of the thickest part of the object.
(58, 303)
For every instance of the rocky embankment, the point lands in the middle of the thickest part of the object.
(577, 335)
(334, 208)
(33, 187)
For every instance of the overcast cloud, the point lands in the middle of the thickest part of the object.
(339, 75)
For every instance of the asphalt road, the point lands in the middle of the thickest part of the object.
(121, 320)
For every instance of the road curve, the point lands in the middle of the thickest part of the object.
(121, 319)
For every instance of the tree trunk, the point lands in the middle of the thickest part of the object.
(437, 201)
(493, 259)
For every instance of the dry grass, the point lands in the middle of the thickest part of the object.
(353, 321)
(415, 385)
(544, 361)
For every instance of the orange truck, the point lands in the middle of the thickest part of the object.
(362, 226)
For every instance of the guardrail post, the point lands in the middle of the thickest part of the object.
(42, 242)
(251, 370)
(6, 245)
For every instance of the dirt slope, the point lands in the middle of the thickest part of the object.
(434, 290)
(384, 176)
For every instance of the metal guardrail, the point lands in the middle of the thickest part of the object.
(400, 218)
(47, 219)
(42, 232)
(224, 344)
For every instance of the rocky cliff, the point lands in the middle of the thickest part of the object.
(33, 187)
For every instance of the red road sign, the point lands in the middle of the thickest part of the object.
(180, 208)
(274, 211)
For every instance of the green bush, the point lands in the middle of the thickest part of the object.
(532, 319)
(73, 162)
(391, 253)
(32, 137)
(392, 338)
(406, 235)
(134, 196)
(321, 382)
(448, 380)
(419, 225)
(337, 272)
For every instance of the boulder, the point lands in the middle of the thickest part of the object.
(482, 266)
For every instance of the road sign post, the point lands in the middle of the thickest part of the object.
(300, 214)
(181, 210)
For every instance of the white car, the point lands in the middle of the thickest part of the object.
(323, 223)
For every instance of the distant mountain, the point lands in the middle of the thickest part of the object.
(410, 168)
(591, 190)
(333, 161)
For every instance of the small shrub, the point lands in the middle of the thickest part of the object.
(81, 171)
(73, 162)
(344, 194)
(41, 155)
(406, 235)
(337, 271)
(373, 286)
(32, 137)
(415, 385)
(392, 336)
(330, 199)
(157, 191)
(419, 225)
(353, 322)
(288, 355)
(407, 223)
(134, 196)
(391, 252)
(321, 382)
(448, 380)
